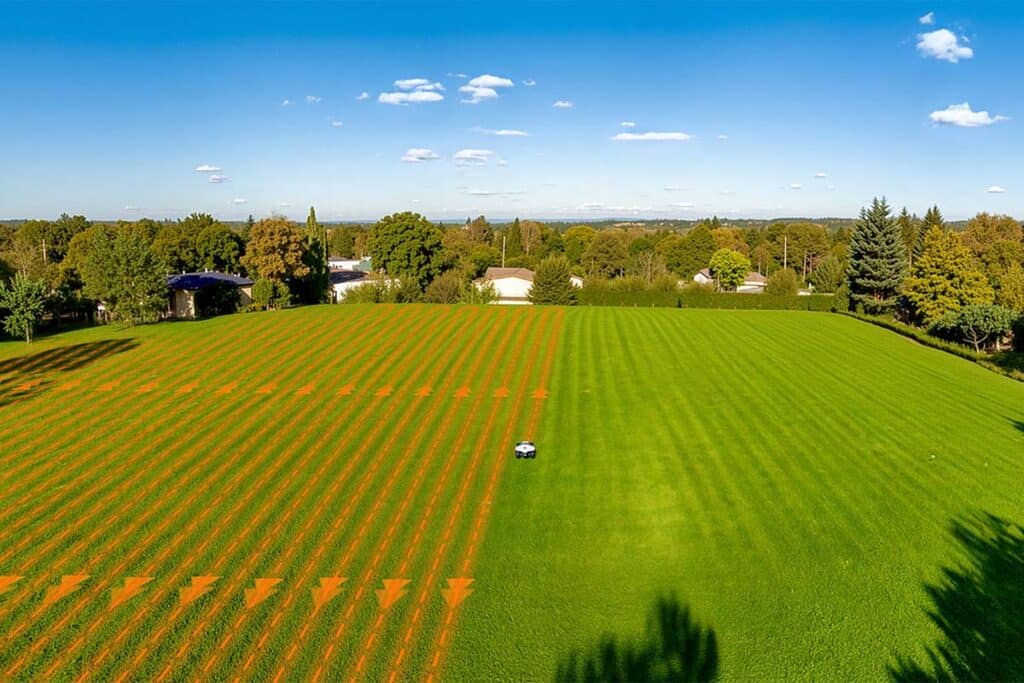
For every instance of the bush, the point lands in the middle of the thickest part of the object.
(269, 294)
(220, 298)
(1018, 334)
(982, 325)
(445, 289)
(482, 294)
(384, 291)
(551, 283)
(783, 282)
(665, 294)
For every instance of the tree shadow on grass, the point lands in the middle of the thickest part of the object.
(25, 376)
(979, 607)
(675, 648)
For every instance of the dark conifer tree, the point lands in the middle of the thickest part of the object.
(877, 259)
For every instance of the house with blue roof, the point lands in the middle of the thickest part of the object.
(185, 287)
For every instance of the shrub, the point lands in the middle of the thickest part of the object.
(262, 294)
(551, 283)
(478, 294)
(220, 298)
(783, 282)
(980, 325)
(1018, 334)
(445, 289)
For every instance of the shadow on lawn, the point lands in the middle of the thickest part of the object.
(675, 648)
(979, 607)
(26, 376)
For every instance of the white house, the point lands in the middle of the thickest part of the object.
(342, 263)
(512, 285)
(753, 283)
(344, 280)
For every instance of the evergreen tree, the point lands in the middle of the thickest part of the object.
(514, 240)
(944, 279)
(910, 229)
(552, 284)
(877, 259)
(316, 259)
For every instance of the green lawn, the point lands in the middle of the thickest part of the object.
(788, 481)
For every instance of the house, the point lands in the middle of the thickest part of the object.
(753, 283)
(343, 280)
(184, 287)
(342, 263)
(512, 285)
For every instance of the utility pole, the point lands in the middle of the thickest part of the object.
(785, 251)
(503, 251)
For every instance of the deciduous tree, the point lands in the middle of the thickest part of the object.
(25, 301)
(407, 245)
(276, 250)
(121, 270)
(944, 279)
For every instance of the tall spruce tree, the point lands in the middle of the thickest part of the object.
(316, 258)
(552, 284)
(910, 229)
(877, 259)
(514, 240)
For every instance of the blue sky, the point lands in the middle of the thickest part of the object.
(759, 109)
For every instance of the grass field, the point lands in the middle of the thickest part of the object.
(793, 480)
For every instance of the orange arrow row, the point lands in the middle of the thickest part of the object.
(188, 388)
(263, 590)
(457, 591)
(305, 390)
(423, 392)
(540, 393)
(132, 587)
(69, 583)
(346, 390)
(384, 391)
(201, 585)
(501, 392)
(329, 588)
(462, 392)
(7, 582)
(393, 590)
(266, 389)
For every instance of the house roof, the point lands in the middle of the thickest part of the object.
(197, 281)
(339, 276)
(498, 273)
(752, 277)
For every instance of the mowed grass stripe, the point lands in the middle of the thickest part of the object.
(158, 646)
(390, 543)
(214, 527)
(467, 335)
(138, 548)
(464, 567)
(170, 409)
(418, 551)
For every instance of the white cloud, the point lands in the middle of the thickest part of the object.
(628, 124)
(676, 188)
(206, 168)
(821, 174)
(410, 83)
(286, 103)
(417, 154)
(407, 97)
(473, 156)
(529, 82)
(651, 137)
(795, 186)
(927, 19)
(457, 75)
(239, 200)
(284, 205)
(363, 96)
(722, 137)
(504, 132)
(335, 123)
(489, 81)
(562, 104)
(943, 44)
(682, 205)
(477, 94)
(962, 116)
(313, 99)
(219, 179)
(132, 208)
(995, 189)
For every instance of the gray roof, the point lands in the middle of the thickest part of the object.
(197, 281)
(498, 273)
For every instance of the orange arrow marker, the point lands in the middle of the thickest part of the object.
(501, 392)
(67, 386)
(188, 388)
(346, 390)
(201, 585)
(263, 590)
(227, 388)
(393, 590)
(462, 392)
(329, 588)
(69, 583)
(147, 388)
(384, 391)
(109, 386)
(457, 591)
(7, 582)
(28, 385)
(305, 391)
(540, 393)
(423, 392)
(132, 587)
(266, 389)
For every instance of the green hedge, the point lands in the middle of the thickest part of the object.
(604, 296)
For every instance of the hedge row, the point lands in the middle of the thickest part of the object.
(660, 298)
